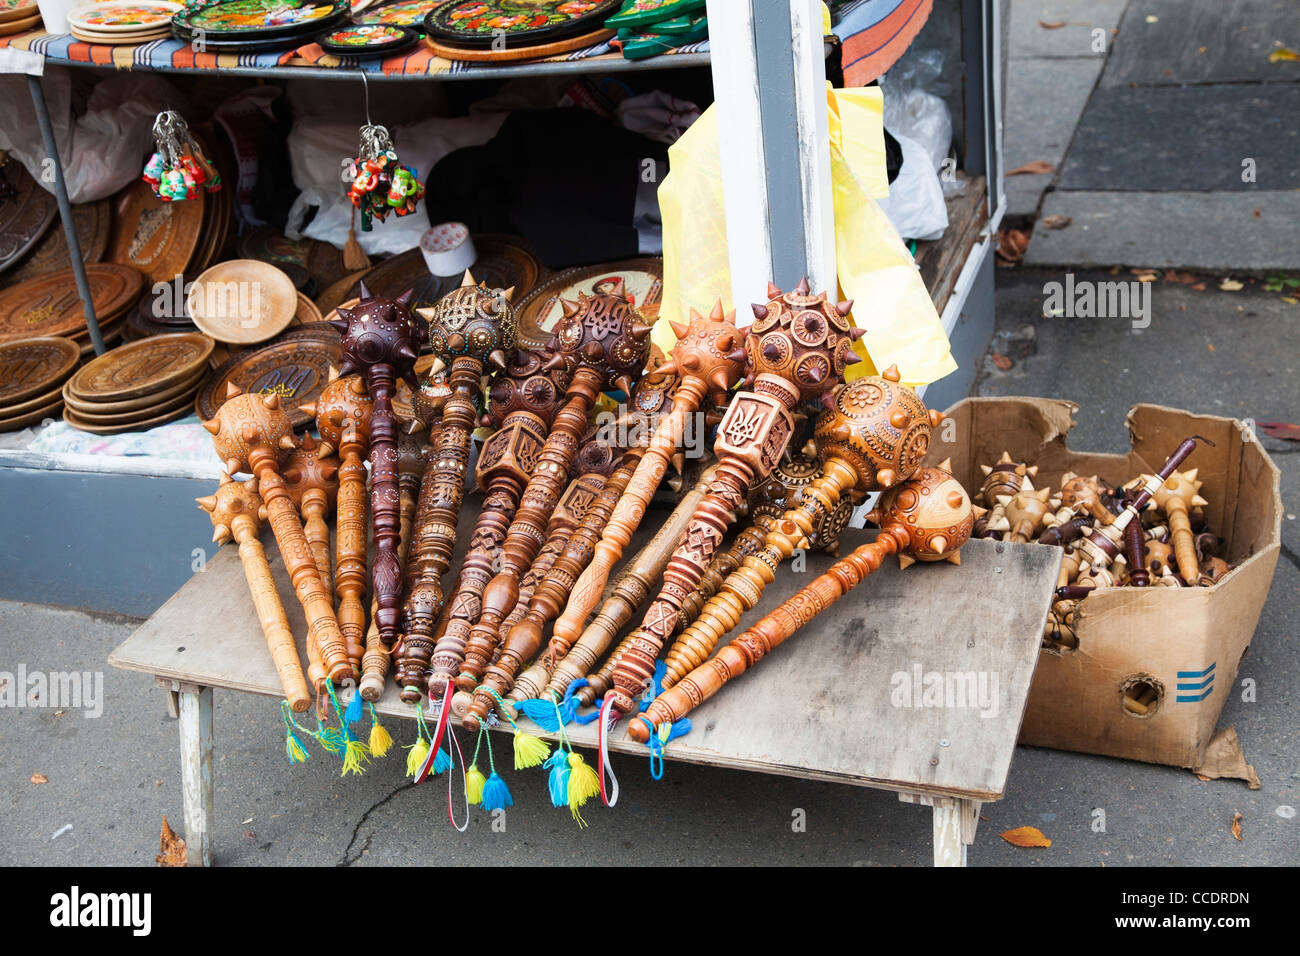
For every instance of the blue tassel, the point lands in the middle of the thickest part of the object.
(656, 686)
(496, 795)
(679, 729)
(443, 762)
(541, 712)
(558, 781)
(353, 713)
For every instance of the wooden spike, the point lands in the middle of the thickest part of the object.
(287, 443)
(954, 558)
(845, 307)
(905, 561)
(220, 533)
(468, 280)
(774, 291)
(1198, 501)
(232, 466)
(939, 544)
(1005, 459)
(987, 469)
(936, 418)
(891, 374)
(802, 288)
(679, 329)
(717, 313)
(508, 294)
(232, 390)
(1190, 475)
(946, 465)
(760, 311)
(213, 426)
(207, 502)
(568, 307)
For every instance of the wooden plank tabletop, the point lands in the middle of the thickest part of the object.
(832, 703)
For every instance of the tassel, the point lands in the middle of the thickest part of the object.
(415, 756)
(294, 748)
(443, 762)
(558, 781)
(495, 794)
(354, 754)
(354, 257)
(529, 750)
(353, 712)
(583, 785)
(669, 731)
(541, 712)
(381, 741)
(474, 784)
(330, 739)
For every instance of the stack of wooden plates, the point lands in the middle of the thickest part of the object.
(137, 386)
(123, 21)
(49, 305)
(18, 16)
(32, 373)
(161, 311)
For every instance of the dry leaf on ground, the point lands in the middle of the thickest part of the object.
(1199, 287)
(1283, 430)
(1236, 826)
(1146, 277)
(1012, 244)
(1037, 166)
(1231, 285)
(40, 778)
(171, 848)
(1052, 25)
(1027, 837)
(1182, 278)
(1056, 222)
(1001, 361)
(1284, 55)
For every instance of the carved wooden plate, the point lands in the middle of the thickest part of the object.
(296, 367)
(271, 245)
(242, 301)
(143, 425)
(187, 387)
(540, 310)
(31, 418)
(158, 238)
(30, 367)
(142, 368)
(17, 10)
(44, 400)
(93, 222)
(151, 410)
(306, 312)
(25, 214)
(339, 292)
(49, 305)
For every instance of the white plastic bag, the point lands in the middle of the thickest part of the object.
(102, 150)
(923, 128)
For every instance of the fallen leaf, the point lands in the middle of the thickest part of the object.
(1151, 19)
(1231, 285)
(1182, 278)
(1283, 430)
(1053, 25)
(1199, 287)
(1147, 277)
(1203, 778)
(1236, 826)
(40, 778)
(1037, 166)
(1289, 301)
(1012, 244)
(1001, 361)
(171, 848)
(1210, 347)
(984, 818)
(1200, 50)
(250, 835)
(1056, 222)
(1258, 214)
(1026, 837)
(1283, 55)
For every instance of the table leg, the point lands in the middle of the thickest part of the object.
(196, 771)
(955, 820)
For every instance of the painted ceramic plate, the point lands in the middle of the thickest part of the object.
(142, 368)
(518, 51)
(639, 13)
(32, 367)
(242, 301)
(49, 305)
(402, 13)
(296, 367)
(368, 39)
(480, 23)
(540, 310)
(25, 215)
(123, 16)
(258, 19)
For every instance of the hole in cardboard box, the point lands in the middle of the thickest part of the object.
(1141, 695)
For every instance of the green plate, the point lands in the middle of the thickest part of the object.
(640, 13)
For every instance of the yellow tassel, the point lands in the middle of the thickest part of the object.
(415, 756)
(474, 782)
(381, 740)
(584, 784)
(530, 751)
(354, 757)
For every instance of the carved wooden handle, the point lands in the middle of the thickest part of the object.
(757, 642)
(300, 564)
(270, 614)
(385, 503)
(746, 543)
(350, 546)
(1180, 530)
(627, 596)
(314, 508)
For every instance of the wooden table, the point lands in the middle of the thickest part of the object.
(844, 701)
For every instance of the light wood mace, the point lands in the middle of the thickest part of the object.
(343, 413)
(799, 346)
(876, 433)
(247, 434)
(469, 328)
(311, 472)
(521, 406)
(925, 518)
(710, 359)
(381, 341)
(602, 343)
(237, 512)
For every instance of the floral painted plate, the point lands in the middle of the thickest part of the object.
(123, 16)
(258, 19)
(367, 40)
(400, 13)
(483, 23)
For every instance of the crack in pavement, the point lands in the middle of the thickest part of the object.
(347, 859)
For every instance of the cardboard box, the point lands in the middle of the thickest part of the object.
(1186, 642)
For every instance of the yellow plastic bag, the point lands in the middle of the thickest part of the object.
(874, 267)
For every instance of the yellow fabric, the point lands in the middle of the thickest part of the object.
(873, 265)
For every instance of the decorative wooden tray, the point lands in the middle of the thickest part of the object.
(49, 305)
(142, 368)
(509, 54)
(25, 214)
(296, 367)
(158, 238)
(522, 23)
(93, 222)
(32, 367)
(540, 310)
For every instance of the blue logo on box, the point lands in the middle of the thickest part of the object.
(1195, 686)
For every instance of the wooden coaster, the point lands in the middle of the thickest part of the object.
(49, 305)
(87, 426)
(142, 368)
(176, 402)
(158, 238)
(540, 310)
(83, 407)
(31, 418)
(296, 368)
(514, 53)
(242, 301)
(30, 367)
